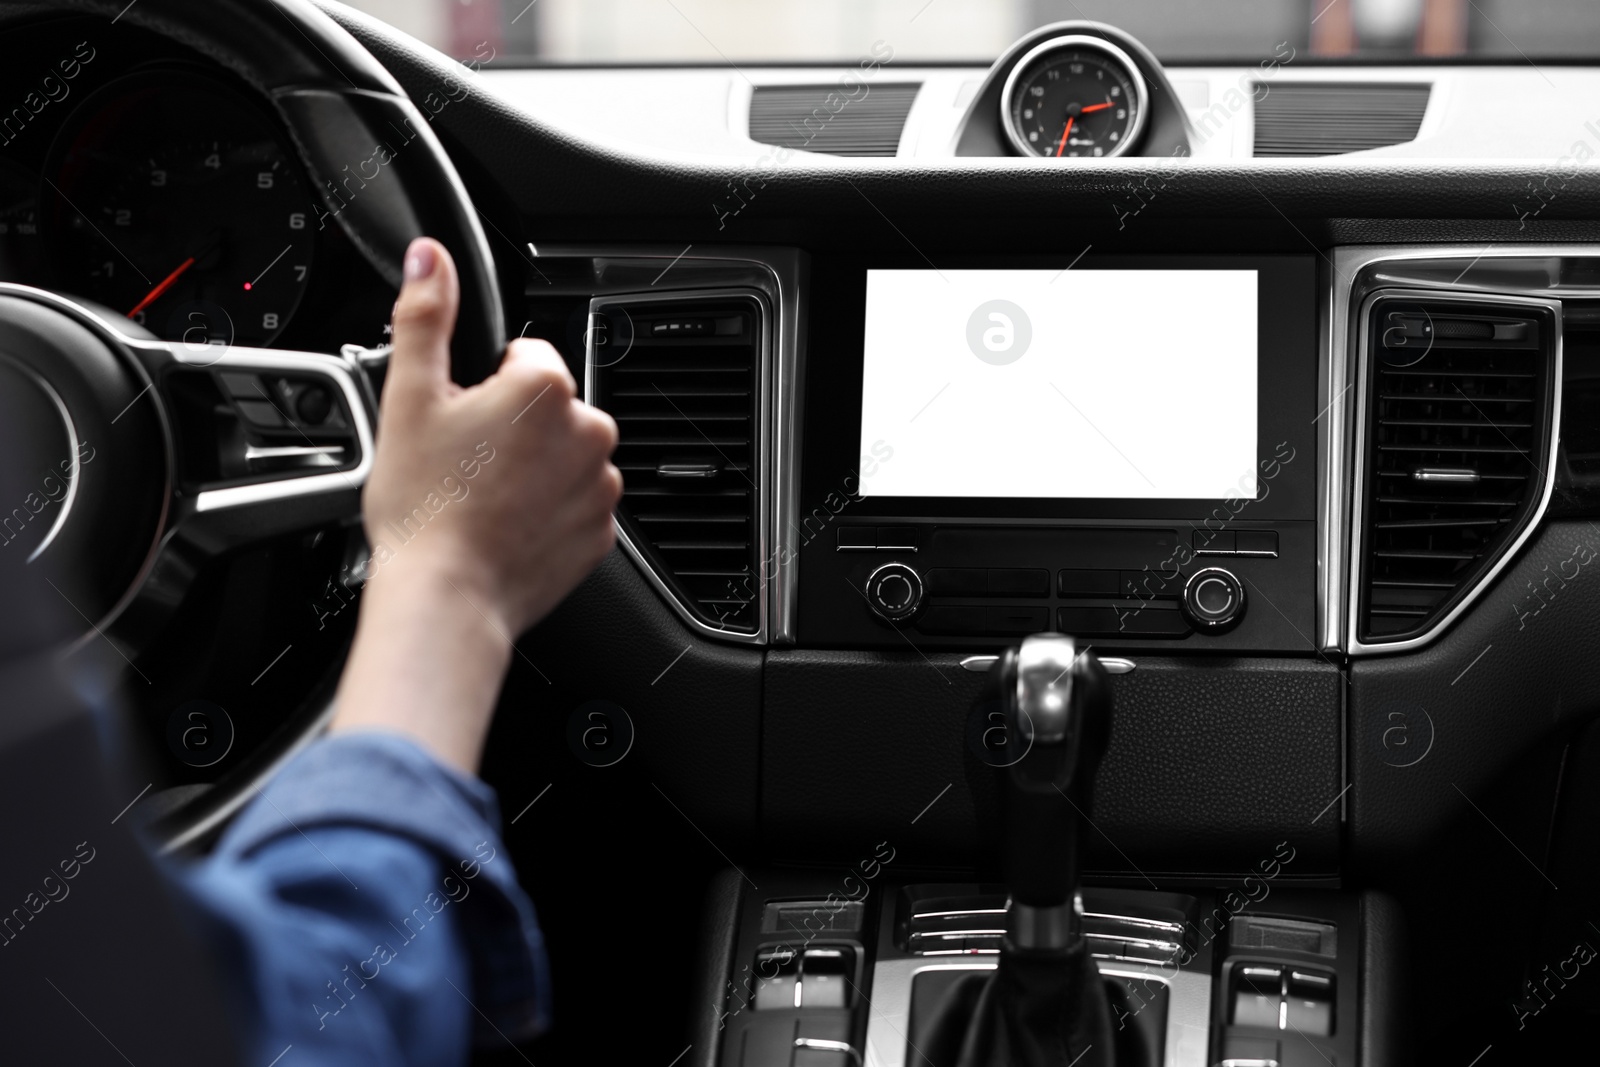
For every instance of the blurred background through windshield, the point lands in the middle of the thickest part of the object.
(722, 31)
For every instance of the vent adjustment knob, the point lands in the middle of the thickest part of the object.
(1213, 600)
(895, 591)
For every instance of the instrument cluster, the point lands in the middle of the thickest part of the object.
(167, 191)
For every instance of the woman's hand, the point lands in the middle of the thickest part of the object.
(485, 507)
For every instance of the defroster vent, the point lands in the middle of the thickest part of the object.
(1459, 409)
(864, 121)
(1332, 118)
(681, 374)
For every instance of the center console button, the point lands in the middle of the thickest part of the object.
(1018, 620)
(1019, 581)
(1257, 996)
(895, 591)
(957, 581)
(777, 978)
(1088, 583)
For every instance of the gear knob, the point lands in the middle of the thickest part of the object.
(1055, 701)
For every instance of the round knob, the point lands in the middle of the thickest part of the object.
(1213, 600)
(895, 591)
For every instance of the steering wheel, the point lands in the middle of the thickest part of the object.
(95, 401)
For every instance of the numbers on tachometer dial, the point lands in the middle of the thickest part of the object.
(177, 205)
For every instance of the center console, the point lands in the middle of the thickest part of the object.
(1124, 450)
(1044, 971)
(887, 474)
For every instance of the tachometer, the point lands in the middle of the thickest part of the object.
(173, 200)
(1074, 96)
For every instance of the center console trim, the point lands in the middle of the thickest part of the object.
(1188, 1007)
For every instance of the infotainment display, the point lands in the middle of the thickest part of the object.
(1067, 384)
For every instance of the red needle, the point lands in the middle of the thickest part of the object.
(1064, 133)
(1097, 107)
(166, 283)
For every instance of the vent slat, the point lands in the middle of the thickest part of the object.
(1328, 119)
(691, 400)
(822, 118)
(1424, 544)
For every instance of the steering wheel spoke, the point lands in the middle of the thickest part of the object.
(265, 441)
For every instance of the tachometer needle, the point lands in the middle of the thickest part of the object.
(165, 284)
(1064, 133)
(1097, 107)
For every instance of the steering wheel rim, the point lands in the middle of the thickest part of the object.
(337, 104)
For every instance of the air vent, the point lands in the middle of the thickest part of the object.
(681, 374)
(825, 118)
(1329, 119)
(1457, 451)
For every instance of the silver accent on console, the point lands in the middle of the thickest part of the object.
(1112, 664)
(777, 272)
(1488, 271)
(824, 1045)
(1358, 476)
(1445, 474)
(1188, 1007)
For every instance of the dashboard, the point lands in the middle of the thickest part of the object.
(1275, 381)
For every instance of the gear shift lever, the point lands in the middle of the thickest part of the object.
(1045, 1004)
(1057, 707)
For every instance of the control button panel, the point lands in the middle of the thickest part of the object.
(1262, 544)
(1275, 997)
(816, 978)
(876, 539)
(971, 587)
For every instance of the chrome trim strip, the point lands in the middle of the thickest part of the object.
(959, 911)
(1358, 479)
(294, 362)
(1188, 1007)
(1112, 664)
(1332, 457)
(1174, 929)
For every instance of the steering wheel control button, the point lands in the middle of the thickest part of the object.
(200, 733)
(895, 591)
(600, 733)
(313, 405)
(1213, 600)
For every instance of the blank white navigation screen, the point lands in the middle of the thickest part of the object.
(1133, 384)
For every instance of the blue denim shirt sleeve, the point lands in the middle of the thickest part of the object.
(365, 911)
